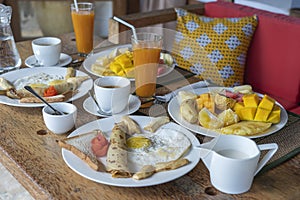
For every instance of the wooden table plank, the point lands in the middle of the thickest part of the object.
(36, 162)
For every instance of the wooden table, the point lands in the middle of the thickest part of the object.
(36, 162)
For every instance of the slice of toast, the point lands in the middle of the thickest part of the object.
(80, 145)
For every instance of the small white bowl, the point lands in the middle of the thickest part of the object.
(60, 124)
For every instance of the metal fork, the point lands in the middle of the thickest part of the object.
(100, 111)
(152, 99)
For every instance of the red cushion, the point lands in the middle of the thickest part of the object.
(273, 60)
(296, 110)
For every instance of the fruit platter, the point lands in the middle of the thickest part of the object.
(118, 61)
(219, 110)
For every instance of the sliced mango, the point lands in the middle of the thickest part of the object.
(262, 114)
(247, 113)
(251, 100)
(266, 102)
(274, 115)
(238, 106)
(264, 110)
(122, 64)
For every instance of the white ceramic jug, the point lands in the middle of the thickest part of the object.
(233, 161)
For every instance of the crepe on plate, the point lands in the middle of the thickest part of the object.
(65, 86)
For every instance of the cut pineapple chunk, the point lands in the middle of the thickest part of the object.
(206, 100)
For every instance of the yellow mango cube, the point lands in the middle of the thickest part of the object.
(267, 103)
(274, 116)
(115, 67)
(238, 105)
(251, 100)
(247, 113)
(262, 114)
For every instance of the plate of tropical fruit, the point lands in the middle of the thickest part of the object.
(212, 111)
(118, 61)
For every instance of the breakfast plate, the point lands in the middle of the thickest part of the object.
(91, 59)
(56, 71)
(134, 104)
(174, 111)
(63, 61)
(106, 125)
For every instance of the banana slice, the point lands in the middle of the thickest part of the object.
(243, 89)
(188, 110)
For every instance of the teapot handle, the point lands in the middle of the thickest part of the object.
(272, 147)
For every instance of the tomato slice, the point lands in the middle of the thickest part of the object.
(51, 91)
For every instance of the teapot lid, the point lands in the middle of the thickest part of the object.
(5, 13)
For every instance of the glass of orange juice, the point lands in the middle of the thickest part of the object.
(146, 54)
(83, 24)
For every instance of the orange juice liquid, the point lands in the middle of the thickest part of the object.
(146, 62)
(83, 24)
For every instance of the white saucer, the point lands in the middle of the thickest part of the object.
(133, 105)
(63, 61)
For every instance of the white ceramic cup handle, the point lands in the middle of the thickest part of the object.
(272, 147)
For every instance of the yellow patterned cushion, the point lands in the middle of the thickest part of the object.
(213, 48)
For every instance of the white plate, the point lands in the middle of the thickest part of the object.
(133, 105)
(106, 126)
(89, 61)
(17, 74)
(63, 61)
(174, 111)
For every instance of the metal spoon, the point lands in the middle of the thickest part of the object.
(57, 112)
(37, 64)
(100, 111)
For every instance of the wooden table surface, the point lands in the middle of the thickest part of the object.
(36, 162)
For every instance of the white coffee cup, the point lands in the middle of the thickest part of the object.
(233, 161)
(47, 50)
(60, 124)
(112, 93)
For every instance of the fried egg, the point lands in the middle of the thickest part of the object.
(151, 148)
(40, 79)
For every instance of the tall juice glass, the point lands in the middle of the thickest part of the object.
(146, 54)
(83, 24)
